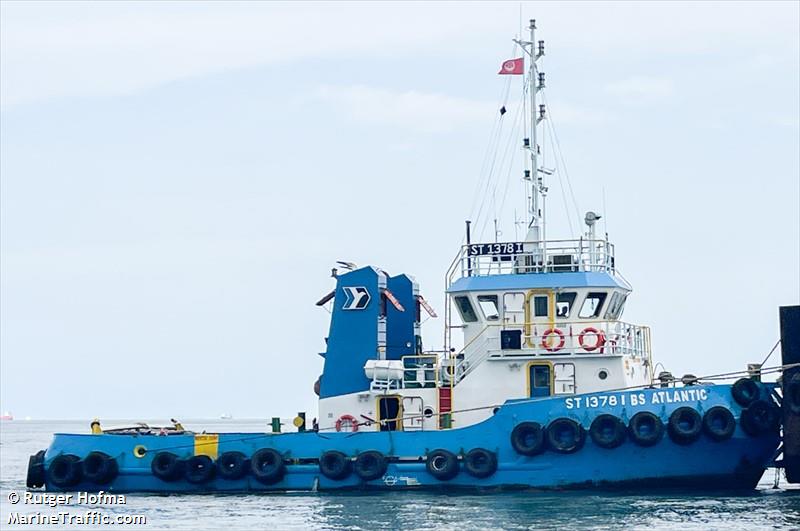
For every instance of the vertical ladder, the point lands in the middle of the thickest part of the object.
(445, 407)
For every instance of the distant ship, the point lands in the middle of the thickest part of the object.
(226, 416)
(6, 416)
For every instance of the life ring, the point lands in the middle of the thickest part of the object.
(442, 465)
(565, 436)
(232, 465)
(199, 469)
(65, 471)
(719, 424)
(600, 339)
(99, 468)
(645, 428)
(685, 425)
(335, 465)
(267, 466)
(370, 465)
(166, 466)
(759, 417)
(607, 431)
(745, 391)
(347, 419)
(561, 340)
(527, 438)
(480, 463)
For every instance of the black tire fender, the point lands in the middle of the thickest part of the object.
(607, 431)
(267, 466)
(335, 465)
(565, 436)
(65, 471)
(759, 417)
(166, 466)
(685, 425)
(99, 468)
(527, 438)
(232, 465)
(719, 423)
(442, 464)
(370, 465)
(480, 463)
(645, 428)
(745, 391)
(199, 469)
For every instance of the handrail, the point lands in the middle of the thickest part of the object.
(619, 338)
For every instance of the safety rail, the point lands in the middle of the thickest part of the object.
(421, 371)
(552, 256)
(563, 338)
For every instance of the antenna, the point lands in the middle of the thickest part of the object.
(536, 82)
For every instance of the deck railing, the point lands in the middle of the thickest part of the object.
(552, 256)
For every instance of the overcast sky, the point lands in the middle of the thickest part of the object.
(178, 179)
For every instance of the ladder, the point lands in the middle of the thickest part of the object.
(445, 407)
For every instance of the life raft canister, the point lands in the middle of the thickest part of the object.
(345, 420)
(599, 343)
(546, 344)
(99, 468)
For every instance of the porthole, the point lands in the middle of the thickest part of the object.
(428, 412)
(602, 374)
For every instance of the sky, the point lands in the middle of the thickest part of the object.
(177, 179)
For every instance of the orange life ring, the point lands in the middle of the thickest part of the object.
(346, 419)
(599, 342)
(547, 334)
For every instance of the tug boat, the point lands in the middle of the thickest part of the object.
(539, 384)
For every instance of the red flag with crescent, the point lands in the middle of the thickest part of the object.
(514, 67)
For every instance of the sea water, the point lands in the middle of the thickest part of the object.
(764, 508)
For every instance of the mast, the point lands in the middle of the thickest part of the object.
(536, 228)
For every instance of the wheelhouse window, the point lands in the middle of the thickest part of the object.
(592, 304)
(488, 304)
(465, 309)
(615, 305)
(564, 304)
(514, 307)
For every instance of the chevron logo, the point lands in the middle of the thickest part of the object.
(356, 298)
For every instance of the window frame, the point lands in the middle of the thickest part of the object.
(457, 300)
(600, 307)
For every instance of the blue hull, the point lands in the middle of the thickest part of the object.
(737, 462)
